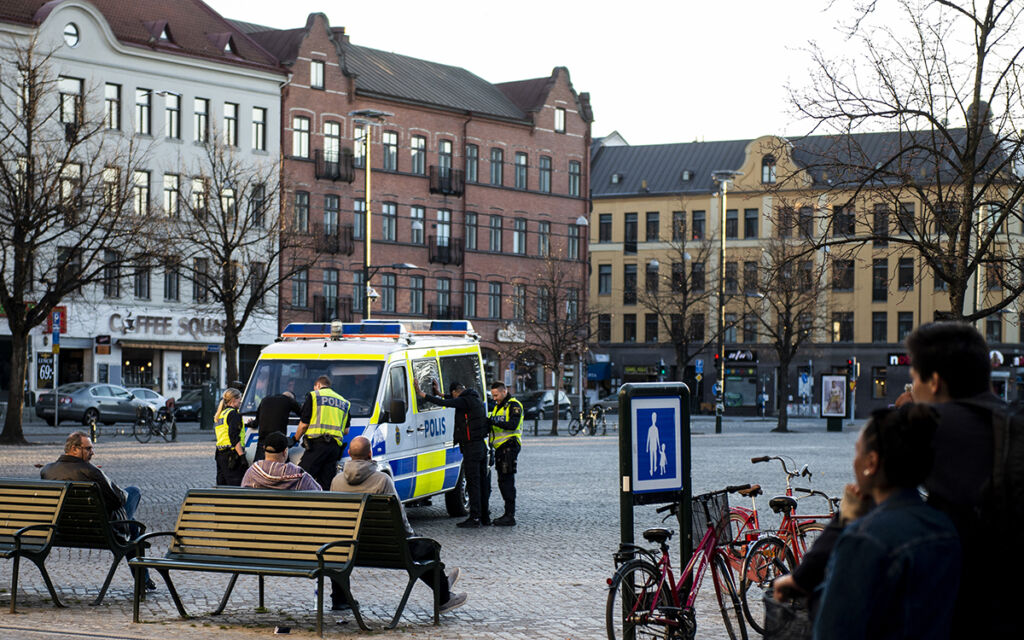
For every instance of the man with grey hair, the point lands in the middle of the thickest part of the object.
(75, 466)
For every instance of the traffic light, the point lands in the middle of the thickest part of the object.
(662, 369)
(849, 368)
(718, 363)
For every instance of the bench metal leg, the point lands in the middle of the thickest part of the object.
(166, 575)
(136, 592)
(106, 583)
(261, 591)
(401, 605)
(320, 605)
(14, 583)
(438, 575)
(227, 594)
(49, 584)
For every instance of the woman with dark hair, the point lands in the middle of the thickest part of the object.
(894, 572)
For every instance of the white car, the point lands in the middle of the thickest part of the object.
(150, 397)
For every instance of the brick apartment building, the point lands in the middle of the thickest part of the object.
(473, 183)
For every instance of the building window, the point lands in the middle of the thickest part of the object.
(418, 151)
(750, 329)
(697, 276)
(559, 120)
(141, 281)
(543, 304)
(302, 211)
(698, 225)
(573, 248)
(497, 166)
(653, 227)
(629, 327)
(604, 227)
(200, 280)
(879, 388)
(905, 274)
(543, 239)
(389, 144)
(300, 137)
(172, 116)
(732, 280)
(651, 277)
(904, 324)
(387, 292)
(316, 74)
(993, 329)
(629, 284)
(358, 291)
(678, 226)
(750, 217)
(696, 333)
(143, 112)
(905, 217)
(259, 129)
(768, 169)
(444, 227)
(112, 106)
(172, 186)
(604, 327)
(650, 327)
(231, 124)
(842, 275)
(140, 192)
(938, 284)
(359, 143)
(630, 233)
(544, 174)
(749, 277)
(469, 299)
(358, 219)
(879, 327)
(994, 276)
(494, 241)
(389, 221)
(111, 274)
(300, 289)
(332, 142)
(472, 163)
(519, 302)
(521, 170)
(416, 284)
(199, 198)
(172, 283)
(332, 212)
(444, 157)
(805, 221)
(842, 221)
(330, 294)
(493, 300)
(519, 236)
(471, 229)
(575, 169)
(678, 281)
(201, 119)
(880, 225)
(604, 280)
(258, 204)
(732, 223)
(418, 216)
(731, 334)
(880, 279)
(842, 326)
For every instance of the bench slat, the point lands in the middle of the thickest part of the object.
(250, 532)
(261, 511)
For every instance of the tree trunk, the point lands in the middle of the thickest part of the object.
(783, 399)
(231, 352)
(13, 432)
(557, 389)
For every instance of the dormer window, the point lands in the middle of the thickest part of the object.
(616, 178)
(685, 176)
(768, 169)
(165, 35)
(229, 46)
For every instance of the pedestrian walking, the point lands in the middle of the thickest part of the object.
(506, 421)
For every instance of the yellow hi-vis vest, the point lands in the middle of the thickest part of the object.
(500, 436)
(330, 415)
(221, 429)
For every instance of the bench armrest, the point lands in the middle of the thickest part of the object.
(337, 543)
(138, 542)
(31, 527)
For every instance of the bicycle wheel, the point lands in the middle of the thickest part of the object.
(807, 533)
(728, 599)
(166, 429)
(634, 603)
(767, 559)
(141, 430)
(574, 426)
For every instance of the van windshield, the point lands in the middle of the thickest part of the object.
(356, 380)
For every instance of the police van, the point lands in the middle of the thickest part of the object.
(372, 364)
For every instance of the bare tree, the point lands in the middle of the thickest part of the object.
(945, 86)
(557, 326)
(66, 221)
(233, 234)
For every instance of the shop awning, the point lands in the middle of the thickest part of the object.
(599, 371)
(163, 346)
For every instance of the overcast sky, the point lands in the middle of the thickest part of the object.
(657, 72)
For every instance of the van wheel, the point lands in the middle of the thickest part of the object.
(456, 501)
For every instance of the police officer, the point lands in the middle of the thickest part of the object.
(324, 421)
(506, 420)
(230, 454)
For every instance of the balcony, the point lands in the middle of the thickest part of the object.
(447, 181)
(333, 168)
(326, 309)
(333, 239)
(447, 251)
(443, 312)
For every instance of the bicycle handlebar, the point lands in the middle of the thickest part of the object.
(792, 474)
(761, 459)
(674, 506)
(668, 506)
(737, 487)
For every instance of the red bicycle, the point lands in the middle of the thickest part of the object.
(644, 598)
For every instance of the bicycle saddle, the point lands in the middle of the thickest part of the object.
(752, 492)
(657, 535)
(782, 504)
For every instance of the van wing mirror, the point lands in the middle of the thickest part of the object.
(396, 412)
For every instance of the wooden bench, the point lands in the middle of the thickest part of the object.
(29, 510)
(84, 524)
(260, 532)
(383, 545)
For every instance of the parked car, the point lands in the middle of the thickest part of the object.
(541, 404)
(150, 397)
(88, 401)
(610, 402)
(188, 406)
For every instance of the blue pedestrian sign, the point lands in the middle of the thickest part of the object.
(657, 444)
(698, 366)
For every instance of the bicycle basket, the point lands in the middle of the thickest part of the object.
(718, 509)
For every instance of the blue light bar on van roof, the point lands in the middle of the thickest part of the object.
(450, 326)
(371, 329)
(307, 330)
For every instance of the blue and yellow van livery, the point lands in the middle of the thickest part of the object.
(373, 364)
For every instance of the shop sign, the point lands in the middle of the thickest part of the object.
(44, 370)
(197, 327)
(741, 355)
(61, 315)
(899, 360)
(511, 333)
(639, 370)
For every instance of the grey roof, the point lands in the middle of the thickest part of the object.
(662, 167)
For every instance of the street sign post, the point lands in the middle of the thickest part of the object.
(56, 366)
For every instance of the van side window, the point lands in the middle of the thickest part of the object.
(464, 369)
(425, 372)
(396, 387)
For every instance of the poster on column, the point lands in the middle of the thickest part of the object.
(657, 447)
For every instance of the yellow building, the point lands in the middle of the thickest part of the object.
(657, 218)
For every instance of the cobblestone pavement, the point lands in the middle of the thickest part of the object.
(545, 578)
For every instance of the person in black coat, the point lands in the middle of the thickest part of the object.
(471, 430)
(272, 417)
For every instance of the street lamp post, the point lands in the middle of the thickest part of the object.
(367, 117)
(723, 178)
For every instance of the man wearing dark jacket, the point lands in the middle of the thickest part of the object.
(471, 436)
(74, 466)
(272, 417)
